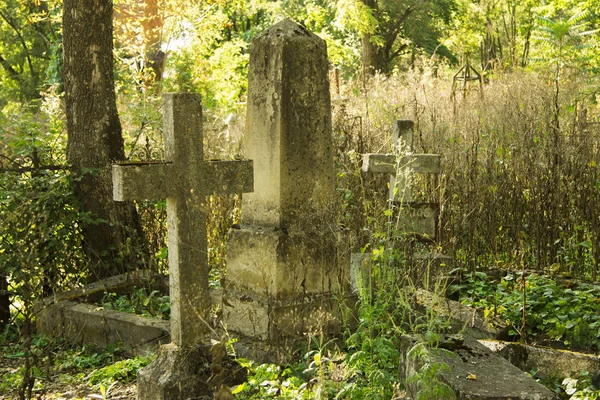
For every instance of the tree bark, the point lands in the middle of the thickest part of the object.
(112, 241)
(4, 303)
(368, 49)
(152, 24)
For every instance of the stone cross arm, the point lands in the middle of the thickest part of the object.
(155, 180)
(389, 163)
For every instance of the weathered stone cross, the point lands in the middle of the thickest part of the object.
(401, 165)
(185, 179)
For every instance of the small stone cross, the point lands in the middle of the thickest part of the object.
(185, 179)
(400, 165)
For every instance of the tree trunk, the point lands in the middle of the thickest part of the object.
(367, 55)
(112, 241)
(152, 23)
(368, 48)
(4, 303)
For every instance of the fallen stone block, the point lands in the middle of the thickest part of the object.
(474, 372)
(119, 284)
(548, 362)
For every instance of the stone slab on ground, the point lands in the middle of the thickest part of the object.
(73, 316)
(547, 361)
(464, 319)
(475, 372)
(82, 323)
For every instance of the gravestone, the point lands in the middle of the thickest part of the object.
(282, 264)
(184, 179)
(401, 165)
(412, 219)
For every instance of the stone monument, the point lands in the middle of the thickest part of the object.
(402, 164)
(283, 268)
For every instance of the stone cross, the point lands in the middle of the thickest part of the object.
(185, 179)
(401, 165)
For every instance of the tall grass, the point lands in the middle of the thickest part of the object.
(516, 187)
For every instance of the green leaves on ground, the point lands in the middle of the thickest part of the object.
(554, 312)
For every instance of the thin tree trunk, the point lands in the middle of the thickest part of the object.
(94, 135)
(4, 303)
(368, 49)
(152, 25)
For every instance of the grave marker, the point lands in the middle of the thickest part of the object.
(185, 179)
(282, 264)
(401, 165)
(413, 219)
(474, 372)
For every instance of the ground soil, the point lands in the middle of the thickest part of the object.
(55, 389)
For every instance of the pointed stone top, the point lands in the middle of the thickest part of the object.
(287, 28)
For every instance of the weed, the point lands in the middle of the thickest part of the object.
(139, 302)
(123, 371)
(553, 312)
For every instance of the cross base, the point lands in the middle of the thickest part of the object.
(185, 373)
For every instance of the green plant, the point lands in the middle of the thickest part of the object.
(580, 387)
(87, 357)
(267, 381)
(427, 377)
(553, 311)
(124, 371)
(138, 301)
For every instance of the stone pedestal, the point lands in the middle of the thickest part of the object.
(177, 373)
(280, 292)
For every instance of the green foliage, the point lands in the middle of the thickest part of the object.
(40, 240)
(61, 365)
(29, 46)
(580, 387)
(554, 312)
(138, 301)
(124, 371)
(566, 42)
(268, 381)
(428, 376)
(87, 357)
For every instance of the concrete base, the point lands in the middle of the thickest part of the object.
(425, 269)
(281, 290)
(66, 315)
(187, 373)
(282, 265)
(277, 331)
